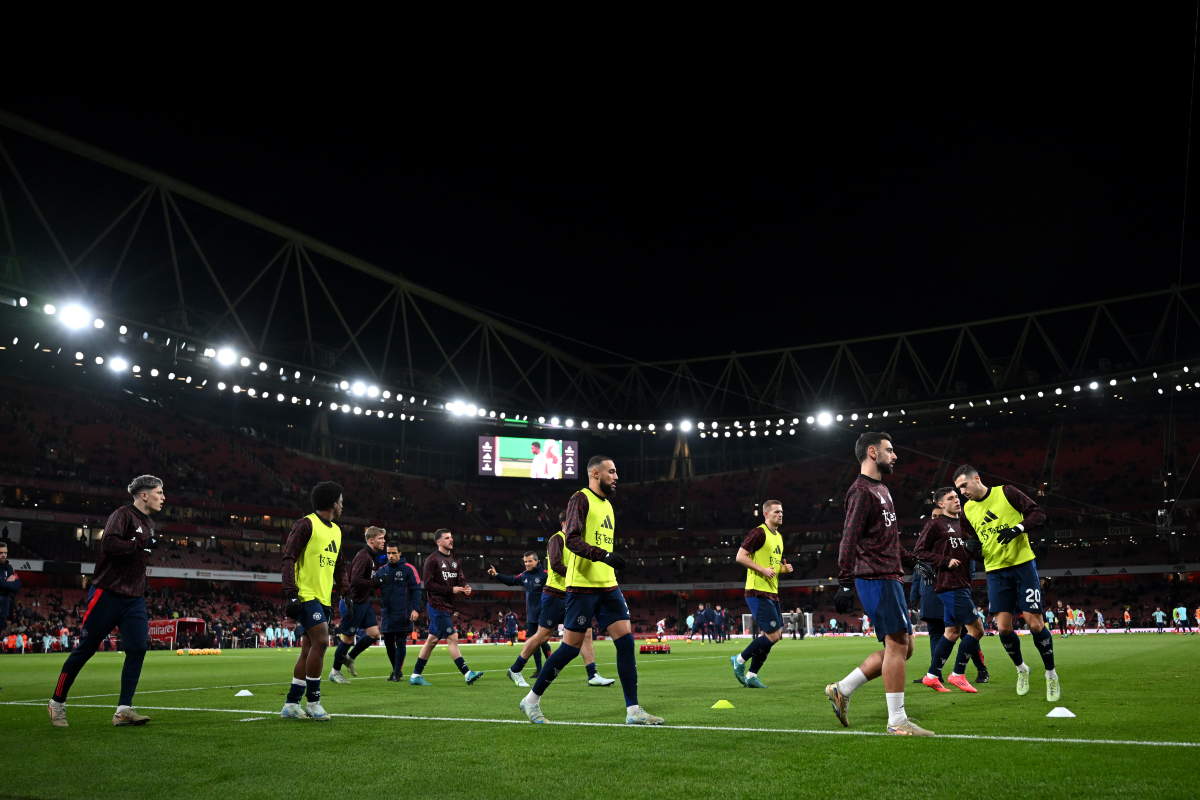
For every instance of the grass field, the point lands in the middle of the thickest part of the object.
(1136, 734)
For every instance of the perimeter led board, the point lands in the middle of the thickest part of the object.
(518, 457)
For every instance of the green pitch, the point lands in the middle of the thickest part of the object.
(1139, 692)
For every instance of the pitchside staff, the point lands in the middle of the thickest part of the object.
(117, 599)
(400, 599)
(997, 522)
(312, 563)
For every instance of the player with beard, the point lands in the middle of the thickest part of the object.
(872, 559)
(943, 546)
(997, 521)
(592, 591)
(117, 599)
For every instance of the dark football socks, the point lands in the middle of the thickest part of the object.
(461, 663)
(591, 668)
(362, 644)
(968, 647)
(1012, 646)
(627, 668)
(339, 655)
(420, 665)
(1044, 641)
(557, 661)
(520, 663)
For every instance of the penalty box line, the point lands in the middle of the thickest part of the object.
(728, 728)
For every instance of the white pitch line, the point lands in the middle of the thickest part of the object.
(976, 737)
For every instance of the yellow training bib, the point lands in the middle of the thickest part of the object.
(992, 514)
(553, 579)
(599, 531)
(770, 555)
(314, 567)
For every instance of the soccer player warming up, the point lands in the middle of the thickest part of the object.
(943, 546)
(444, 580)
(871, 559)
(762, 555)
(997, 523)
(117, 599)
(592, 591)
(312, 563)
(545, 612)
(400, 596)
(357, 611)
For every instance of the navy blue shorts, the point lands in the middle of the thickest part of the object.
(931, 604)
(959, 607)
(766, 613)
(607, 607)
(883, 601)
(1015, 590)
(440, 623)
(363, 617)
(312, 614)
(552, 611)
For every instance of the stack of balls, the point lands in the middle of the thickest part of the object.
(207, 651)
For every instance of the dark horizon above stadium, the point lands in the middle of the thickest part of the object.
(1012, 166)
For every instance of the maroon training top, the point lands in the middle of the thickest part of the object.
(941, 541)
(440, 575)
(121, 566)
(871, 536)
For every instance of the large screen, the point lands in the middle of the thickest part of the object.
(516, 457)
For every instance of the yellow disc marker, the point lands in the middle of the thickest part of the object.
(723, 704)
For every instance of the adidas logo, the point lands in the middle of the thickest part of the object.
(989, 517)
(778, 549)
(332, 547)
(607, 523)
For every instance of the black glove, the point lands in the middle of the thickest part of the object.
(615, 560)
(974, 546)
(1007, 535)
(292, 605)
(150, 542)
(925, 573)
(843, 600)
(349, 615)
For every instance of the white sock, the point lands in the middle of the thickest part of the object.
(1051, 675)
(298, 682)
(956, 674)
(57, 704)
(750, 675)
(740, 659)
(533, 699)
(930, 675)
(1023, 668)
(895, 703)
(631, 710)
(851, 682)
(123, 708)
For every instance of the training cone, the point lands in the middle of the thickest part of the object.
(1059, 711)
(244, 693)
(727, 704)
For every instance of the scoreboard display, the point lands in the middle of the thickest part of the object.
(518, 457)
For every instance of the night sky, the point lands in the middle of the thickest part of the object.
(857, 175)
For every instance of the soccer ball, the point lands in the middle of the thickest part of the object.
(218, 651)
(179, 652)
